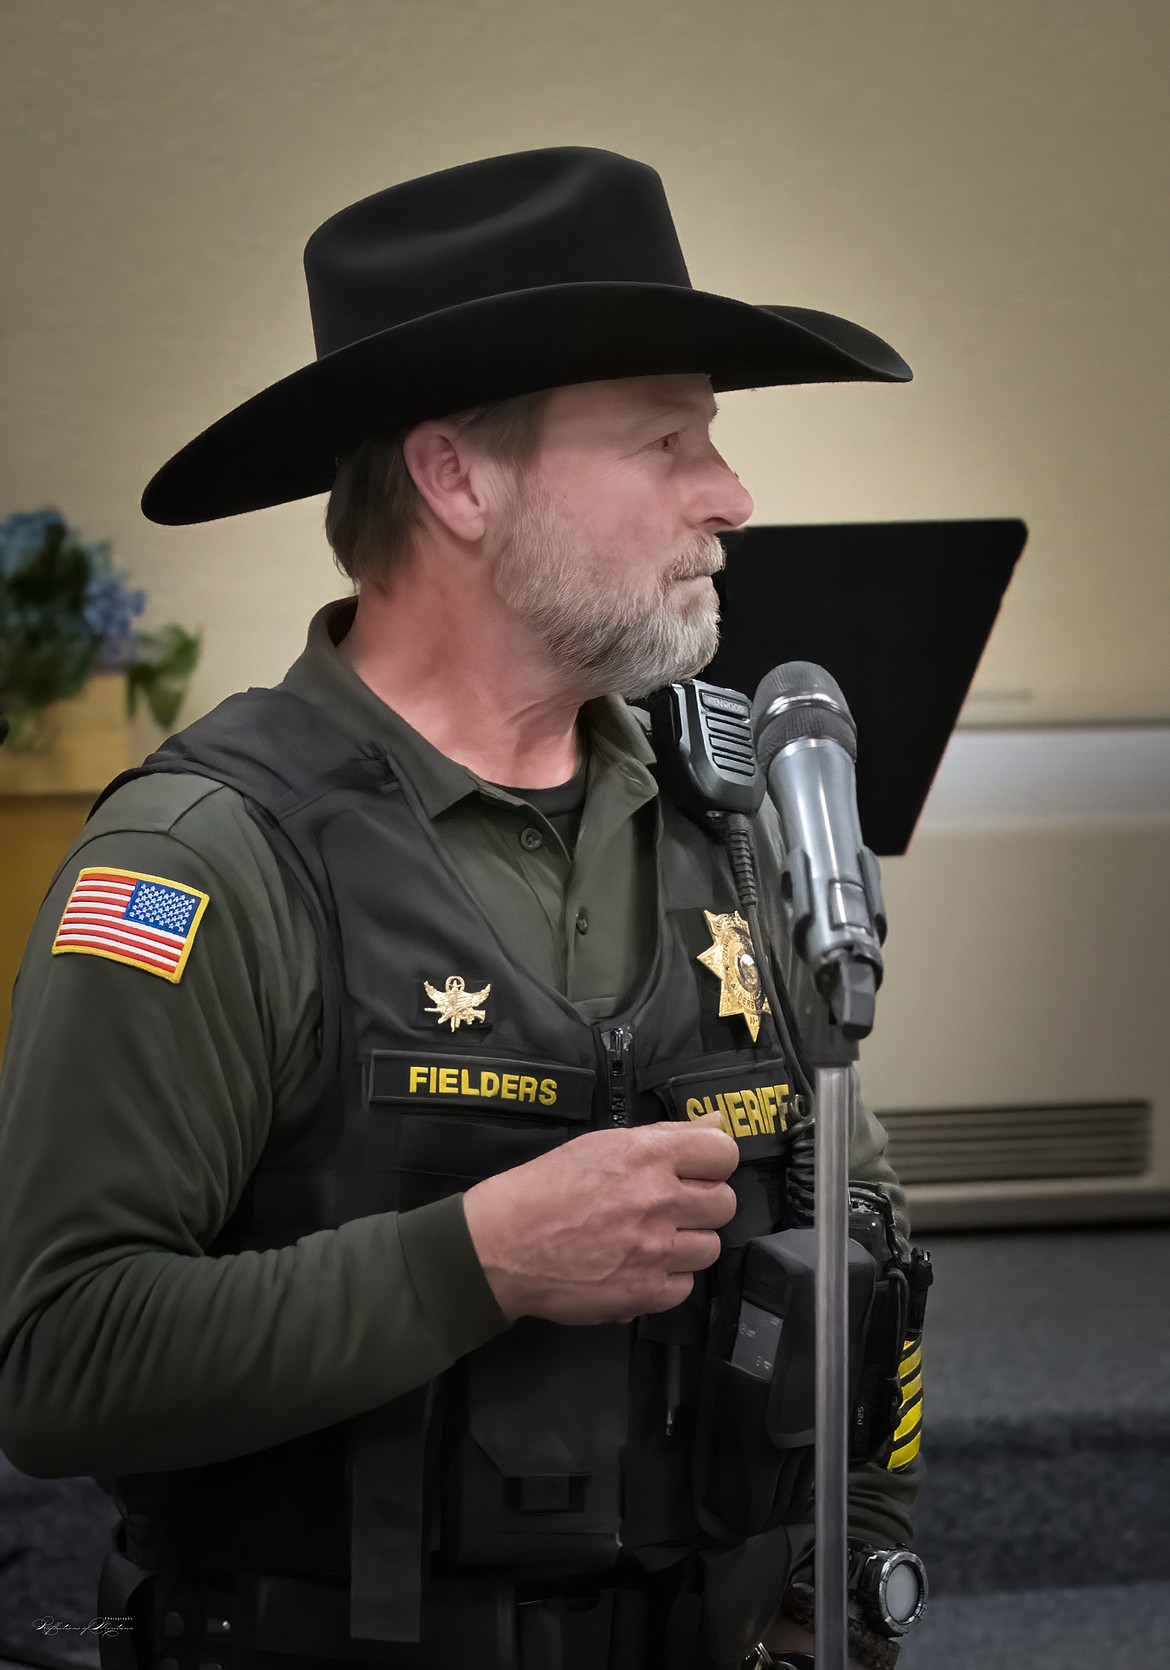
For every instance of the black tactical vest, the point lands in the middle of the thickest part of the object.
(551, 1450)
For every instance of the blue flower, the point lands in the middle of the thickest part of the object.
(22, 534)
(109, 608)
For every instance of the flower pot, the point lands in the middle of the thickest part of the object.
(86, 741)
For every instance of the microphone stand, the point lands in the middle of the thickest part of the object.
(831, 896)
(847, 989)
(833, 1096)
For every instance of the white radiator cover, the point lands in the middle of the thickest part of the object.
(1021, 1052)
(997, 1145)
(982, 1167)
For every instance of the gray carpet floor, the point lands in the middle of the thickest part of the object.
(1047, 1412)
(1048, 1629)
(1048, 1328)
(54, 1534)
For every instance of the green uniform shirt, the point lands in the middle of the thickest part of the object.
(133, 1110)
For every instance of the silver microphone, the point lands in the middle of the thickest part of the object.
(806, 744)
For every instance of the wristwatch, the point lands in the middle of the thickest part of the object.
(889, 1586)
(887, 1591)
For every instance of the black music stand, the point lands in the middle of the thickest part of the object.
(898, 612)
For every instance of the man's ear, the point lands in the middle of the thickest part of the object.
(453, 476)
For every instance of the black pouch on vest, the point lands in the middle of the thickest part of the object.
(753, 1450)
(533, 1421)
(535, 1473)
(896, 1322)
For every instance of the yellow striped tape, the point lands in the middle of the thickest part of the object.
(908, 1434)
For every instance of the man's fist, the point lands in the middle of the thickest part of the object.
(609, 1226)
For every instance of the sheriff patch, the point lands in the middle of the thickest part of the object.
(752, 1103)
(144, 921)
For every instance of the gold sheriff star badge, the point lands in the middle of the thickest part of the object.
(732, 960)
(454, 1005)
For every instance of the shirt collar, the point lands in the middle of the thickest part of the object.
(323, 676)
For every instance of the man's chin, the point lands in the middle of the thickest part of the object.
(669, 673)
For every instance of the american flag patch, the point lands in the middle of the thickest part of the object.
(142, 920)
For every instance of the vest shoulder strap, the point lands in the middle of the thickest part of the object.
(278, 750)
(283, 754)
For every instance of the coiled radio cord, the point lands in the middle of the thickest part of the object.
(736, 831)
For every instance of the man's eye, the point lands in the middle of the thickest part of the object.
(668, 441)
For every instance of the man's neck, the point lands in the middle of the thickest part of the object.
(473, 687)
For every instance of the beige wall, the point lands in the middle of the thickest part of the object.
(983, 182)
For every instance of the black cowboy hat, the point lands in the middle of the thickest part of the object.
(490, 280)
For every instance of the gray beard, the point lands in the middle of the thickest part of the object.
(613, 644)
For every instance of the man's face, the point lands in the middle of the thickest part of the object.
(612, 534)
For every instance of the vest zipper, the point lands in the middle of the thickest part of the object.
(618, 1042)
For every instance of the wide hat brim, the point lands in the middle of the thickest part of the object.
(283, 444)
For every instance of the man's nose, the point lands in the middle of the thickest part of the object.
(728, 502)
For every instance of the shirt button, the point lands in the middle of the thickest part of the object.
(531, 839)
(582, 921)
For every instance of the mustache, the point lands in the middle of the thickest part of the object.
(709, 559)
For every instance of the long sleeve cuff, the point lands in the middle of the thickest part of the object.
(453, 1292)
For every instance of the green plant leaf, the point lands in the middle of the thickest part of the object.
(161, 671)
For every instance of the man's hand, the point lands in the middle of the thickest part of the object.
(786, 1637)
(609, 1226)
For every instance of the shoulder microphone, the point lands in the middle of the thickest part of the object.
(830, 888)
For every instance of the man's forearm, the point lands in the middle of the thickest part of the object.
(185, 1361)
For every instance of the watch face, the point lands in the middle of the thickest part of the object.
(890, 1588)
(903, 1593)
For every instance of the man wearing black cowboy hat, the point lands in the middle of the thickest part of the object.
(382, 1096)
